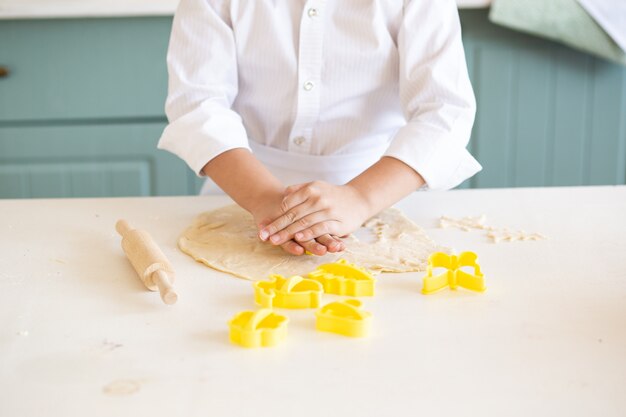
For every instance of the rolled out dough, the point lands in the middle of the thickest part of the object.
(226, 239)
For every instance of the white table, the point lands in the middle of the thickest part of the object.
(80, 336)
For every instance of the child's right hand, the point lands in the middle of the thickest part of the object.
(254, 188)
(268, 208)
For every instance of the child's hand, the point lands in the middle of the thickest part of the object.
(254, 188)
(316, 209)
(269, 208)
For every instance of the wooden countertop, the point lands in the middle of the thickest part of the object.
(34, 9)
(80, 336)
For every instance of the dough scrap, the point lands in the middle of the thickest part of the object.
(466, 223)
(505, 235)
(226, 239)
(496, 234)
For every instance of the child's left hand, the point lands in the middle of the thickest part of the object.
(315, 209)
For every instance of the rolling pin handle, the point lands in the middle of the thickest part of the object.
(122, 227)
(168, 295)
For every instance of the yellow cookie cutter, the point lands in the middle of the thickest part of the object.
(258, 328)
(344, 317)
(343, 278)
(294, 292)
(454, 276)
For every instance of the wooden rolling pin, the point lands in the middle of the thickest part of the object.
(153, 268)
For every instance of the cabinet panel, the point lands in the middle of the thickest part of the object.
(83, 69)
(89, 161)
(547, 115)
(84, 179)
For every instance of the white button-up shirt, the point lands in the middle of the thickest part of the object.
(322, 78)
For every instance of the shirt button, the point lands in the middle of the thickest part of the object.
(312, 12)
(299, 140)
(308, 86)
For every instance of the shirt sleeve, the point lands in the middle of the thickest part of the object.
(436, 95)
(202, 67)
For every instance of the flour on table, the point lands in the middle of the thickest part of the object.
(496, 234)
(226, 239)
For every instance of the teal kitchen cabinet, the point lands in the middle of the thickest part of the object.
(88, 161)
(81, 109)
(77, 69)
(547, 115)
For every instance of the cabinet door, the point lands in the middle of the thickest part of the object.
(89, 161)
(83, 68)
(547, 114)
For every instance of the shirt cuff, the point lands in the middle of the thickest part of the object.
(197, 138)
(441, 160)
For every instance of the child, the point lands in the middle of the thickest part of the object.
(353, 103)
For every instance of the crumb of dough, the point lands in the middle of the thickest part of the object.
(121, 387)
(59, 261)
(466, 223)
(496, 234)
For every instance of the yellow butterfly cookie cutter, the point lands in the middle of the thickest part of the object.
(344, 317)
(343, 278)
(294, 292)
(258, 328)
(454, 276)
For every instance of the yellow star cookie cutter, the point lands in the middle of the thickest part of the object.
(454, 276)
(344, 317)
(258, 328)
(294, 292)
(343, 278)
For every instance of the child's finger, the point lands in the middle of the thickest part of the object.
(314, 247)
(272, 229)
(307, 193)
(293, 248)
(325, 227)
(332, 244)
(289, 217)
(293, 227)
